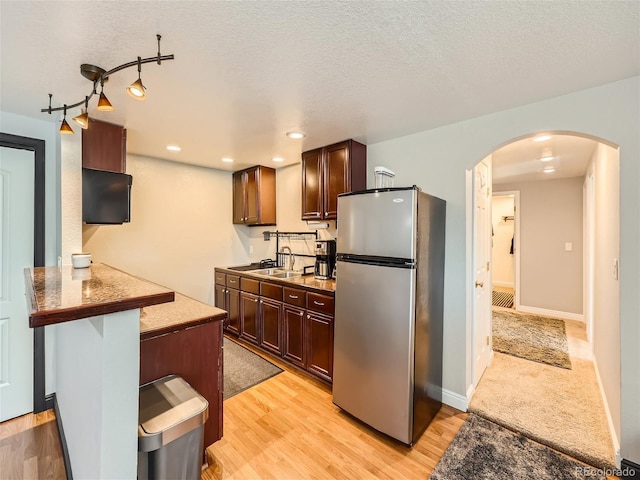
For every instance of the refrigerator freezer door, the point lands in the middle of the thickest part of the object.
(373, 346)
(378, 223)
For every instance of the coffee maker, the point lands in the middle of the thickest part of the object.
(325, 259)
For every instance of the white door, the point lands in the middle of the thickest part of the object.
(16, 240)
(481, 265)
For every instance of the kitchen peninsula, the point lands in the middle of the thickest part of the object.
(97, 313)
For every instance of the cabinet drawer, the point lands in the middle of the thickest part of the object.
(221, 278)
(295, 296)
(271, 290)
(320, 303)
(233, 281)
(250, 285)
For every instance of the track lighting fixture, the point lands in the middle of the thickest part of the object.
(137, 89)
(65, 128)
(98, 75)
(83, 119)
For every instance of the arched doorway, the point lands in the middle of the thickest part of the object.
(568, 265)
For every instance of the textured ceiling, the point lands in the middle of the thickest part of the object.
(247, 72)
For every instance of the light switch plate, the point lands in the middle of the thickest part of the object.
(568, 246)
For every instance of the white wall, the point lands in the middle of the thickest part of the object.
(605, 169)
(180, 227)
(437, 161)
(503, 263)
(550, 216)
(47, 131)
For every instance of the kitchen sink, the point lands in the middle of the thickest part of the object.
(268, 271)
(286, 275)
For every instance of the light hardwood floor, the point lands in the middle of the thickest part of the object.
(30, 448)
(288, 428)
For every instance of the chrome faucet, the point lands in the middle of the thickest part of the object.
(292, 259)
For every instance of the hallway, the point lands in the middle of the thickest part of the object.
(558, 407)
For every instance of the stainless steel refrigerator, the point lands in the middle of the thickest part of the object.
(387, 368)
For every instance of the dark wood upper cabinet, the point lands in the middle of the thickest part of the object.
(104, 147)
(329, 171)
(312, 185)
(254, 196)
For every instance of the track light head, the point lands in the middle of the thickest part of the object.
(137, 89)
(65, 128)
(83, 119)
(104, 105)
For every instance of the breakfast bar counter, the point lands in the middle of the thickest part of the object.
(96, 311)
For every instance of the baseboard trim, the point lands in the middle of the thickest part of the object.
(63, 440)
(630, 470)
(607, 412)
(455, 400)
(49, 401)
(551, 313)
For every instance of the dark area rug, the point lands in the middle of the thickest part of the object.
(243, 369)
(541, 339)
(484, 450)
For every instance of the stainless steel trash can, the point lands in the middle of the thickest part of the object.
(171, 421)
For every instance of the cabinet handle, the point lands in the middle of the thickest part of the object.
(293, 296)
(320, 304)
(255, 300)
(232, 281)
(308, 316)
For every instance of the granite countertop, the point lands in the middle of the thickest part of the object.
(62, 294)
(308, 282)
(183, 313)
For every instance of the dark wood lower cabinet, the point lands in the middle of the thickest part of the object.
(320, 345)
(271, 325)
(284, 321)
(293, 335)
(195, 354)
(249, 317)
(233, 310)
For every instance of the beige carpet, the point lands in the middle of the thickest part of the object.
(540, 339)
(556, 407)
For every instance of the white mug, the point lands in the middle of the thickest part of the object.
(80, 260)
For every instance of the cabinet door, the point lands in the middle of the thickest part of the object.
(336, 177)
(271, 325)
(252, 196)
(293, 335)
(320, 345)
(249, 317)
(233, 311)
(312, 185)
(104, 146)
(220, 297)
(238, 198)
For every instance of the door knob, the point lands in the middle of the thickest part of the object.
(479, 284)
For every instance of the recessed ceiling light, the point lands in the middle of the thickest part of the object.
(227, 159)
(295, 134)
(174, 148)
(549, 169)
(542, 138)
(277, 159)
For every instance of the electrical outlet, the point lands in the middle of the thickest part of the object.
(250, 249)
(568, 246)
